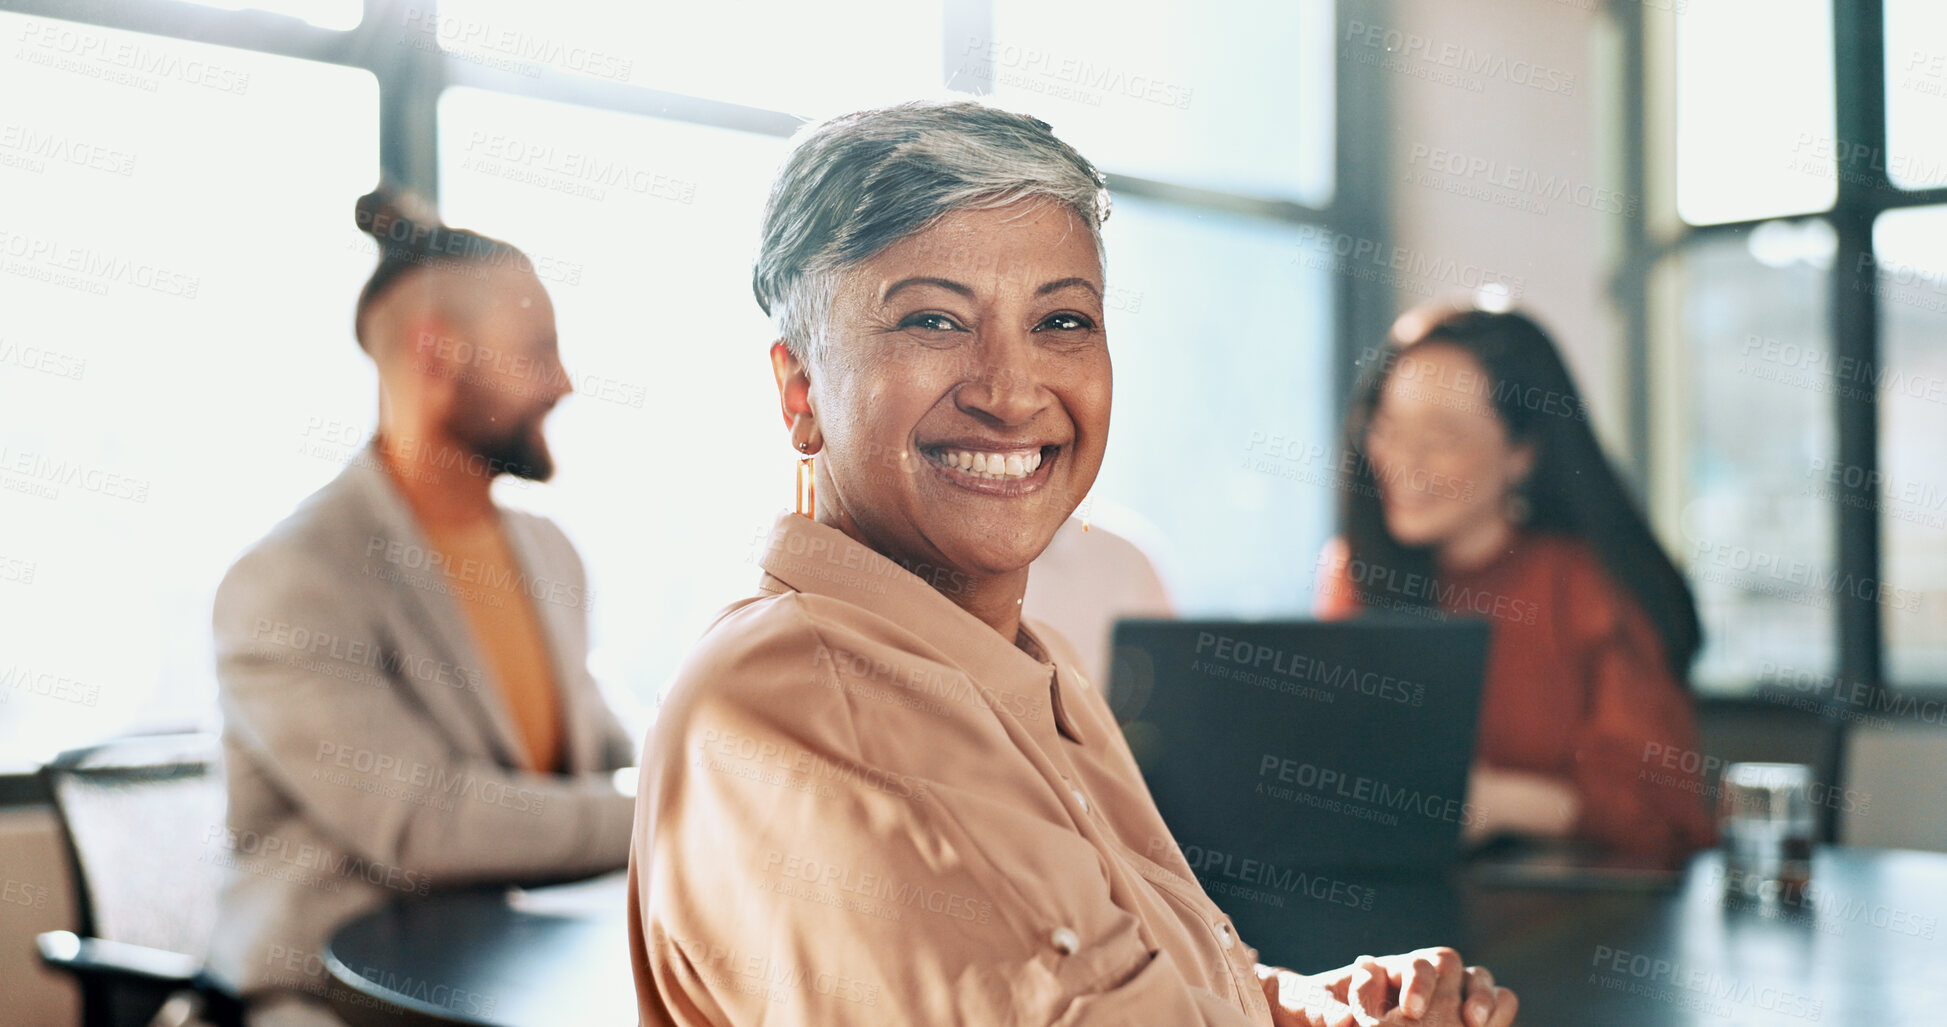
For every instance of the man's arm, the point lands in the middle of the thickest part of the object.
(340, 728)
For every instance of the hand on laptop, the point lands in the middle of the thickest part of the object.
(1423, 988)
(1517, 802)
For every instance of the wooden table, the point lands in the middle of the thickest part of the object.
(1870, 950)
(489, 957)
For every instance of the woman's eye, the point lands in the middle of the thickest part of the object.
(931, 322)
(1066, 322)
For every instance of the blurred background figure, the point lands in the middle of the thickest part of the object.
(1084, 582)
(402, 662)
(1482, 492)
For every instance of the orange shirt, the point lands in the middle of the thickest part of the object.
(487, 586)
(1577, 688)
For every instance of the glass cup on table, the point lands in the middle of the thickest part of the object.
(1767, 824)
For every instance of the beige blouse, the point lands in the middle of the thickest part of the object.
(860, 804)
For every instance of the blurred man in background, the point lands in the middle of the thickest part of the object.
(402, 662)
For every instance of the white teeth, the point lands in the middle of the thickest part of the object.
(992, 466)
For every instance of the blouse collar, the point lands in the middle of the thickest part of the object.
(817, 559)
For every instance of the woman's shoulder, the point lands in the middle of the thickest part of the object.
(774, 662)
(748, 634)
(1581, 589)
(764, 643)
(1561, 552)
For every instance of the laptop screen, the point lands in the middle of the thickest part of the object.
(1322, 745)
(1314, 774)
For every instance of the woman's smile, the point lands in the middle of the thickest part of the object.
(993, 469)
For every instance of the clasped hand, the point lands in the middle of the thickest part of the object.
(1423, 988)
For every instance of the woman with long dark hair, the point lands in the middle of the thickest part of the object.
(1481, 491)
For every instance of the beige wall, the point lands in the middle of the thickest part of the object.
(1897, 774)
(1511, 132)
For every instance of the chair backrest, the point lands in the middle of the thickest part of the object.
(136, 812)
(1894, 770)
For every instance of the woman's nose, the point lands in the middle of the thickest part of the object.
(1002, 383)
(1412, 447)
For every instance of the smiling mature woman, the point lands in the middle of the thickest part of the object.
(875, 794)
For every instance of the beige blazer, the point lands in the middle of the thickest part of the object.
(861, 805)
(369, 755)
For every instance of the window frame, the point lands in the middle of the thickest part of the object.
(412, 81)
(1650, 298)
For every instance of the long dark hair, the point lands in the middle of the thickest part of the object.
(1572, 489)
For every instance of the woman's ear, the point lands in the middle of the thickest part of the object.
(794, 397)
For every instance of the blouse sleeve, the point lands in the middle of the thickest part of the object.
(782, 877)
(1633, 801)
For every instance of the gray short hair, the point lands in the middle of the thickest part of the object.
(859, 183)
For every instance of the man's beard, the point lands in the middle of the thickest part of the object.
(516, 449)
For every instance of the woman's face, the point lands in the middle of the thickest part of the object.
(1442, 456)
(962, 398)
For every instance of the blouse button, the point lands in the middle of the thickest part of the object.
(1079, 797)
(1065, 940)
(1225, 936)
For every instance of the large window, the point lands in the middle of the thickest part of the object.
(1757, 527)
(1916, 93)
(176, 367)
(1805, 335)
(1910, 254)
(670, 460)
(181, 265)
(1754, 109)
(808, 59)
(1214, 359)
(1173, 91)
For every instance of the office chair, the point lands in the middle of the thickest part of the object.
(136, 815)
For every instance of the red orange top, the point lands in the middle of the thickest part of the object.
(1577, 687)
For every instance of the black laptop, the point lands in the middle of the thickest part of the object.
(1313, 773)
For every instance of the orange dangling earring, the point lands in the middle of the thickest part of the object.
(807, 486)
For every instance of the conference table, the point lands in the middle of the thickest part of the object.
(1866, 949)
